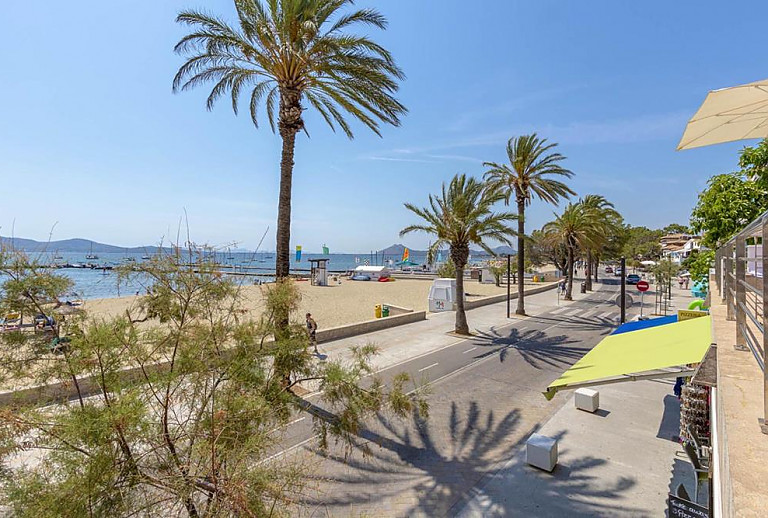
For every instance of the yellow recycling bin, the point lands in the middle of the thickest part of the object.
(377, 311)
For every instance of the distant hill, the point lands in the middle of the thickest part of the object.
(76, 245)
(397, 249)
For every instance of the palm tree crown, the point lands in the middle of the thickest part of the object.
(461, 216)
(288, 50)
(530, 170)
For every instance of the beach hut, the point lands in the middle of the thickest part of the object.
(374, 273)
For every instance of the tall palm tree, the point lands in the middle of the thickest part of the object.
(610, 218)
(290, 54)
(462, 216)
(577, 228)
(533, 170)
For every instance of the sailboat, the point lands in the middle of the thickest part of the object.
(91, 255)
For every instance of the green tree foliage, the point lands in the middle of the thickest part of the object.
(534, 170)
(462, 215)
(579, 227)
(641, 243)
(190, 429)
(676, 228)
(698, 265)
(447, 270)
(611, 223)
(543, 251)
(754, 163)
(727, 205)
(291, 55)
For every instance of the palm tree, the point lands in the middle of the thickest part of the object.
(610, 218)
(461, 216)
(532, 171)
(577, 228)
(289, 54)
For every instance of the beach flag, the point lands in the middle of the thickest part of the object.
(298, 253)
(406, 254)
(357, 260)
(326, 250)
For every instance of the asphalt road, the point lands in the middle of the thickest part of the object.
(485, 397)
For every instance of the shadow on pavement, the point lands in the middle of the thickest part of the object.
(535, 347)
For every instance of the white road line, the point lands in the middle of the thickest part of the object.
(469, 350)
(559, 310)
(607, 314)
(573, 312)
(429, 367)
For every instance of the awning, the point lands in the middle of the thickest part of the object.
(645, 324)
(657, 352)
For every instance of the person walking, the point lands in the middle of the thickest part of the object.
(312, 331)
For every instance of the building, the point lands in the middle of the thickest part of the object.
(677, 247)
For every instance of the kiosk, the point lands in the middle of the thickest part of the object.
(319, 272)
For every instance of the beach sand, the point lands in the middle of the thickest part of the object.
(346, 303)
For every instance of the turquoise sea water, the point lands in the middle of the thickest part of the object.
(99, 283)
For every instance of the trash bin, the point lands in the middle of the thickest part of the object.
(385, 311)
(377, 311)
(583, 287)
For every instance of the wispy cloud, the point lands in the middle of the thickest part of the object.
(398, 159)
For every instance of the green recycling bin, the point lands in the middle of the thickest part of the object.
(385, 311)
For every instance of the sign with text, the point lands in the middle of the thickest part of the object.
(687, 314)
(679, 508)
(643, 285)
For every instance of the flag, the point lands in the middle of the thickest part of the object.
(357, 260)
(326, 251)
(298, 253)
(439, 257)
(406, 254)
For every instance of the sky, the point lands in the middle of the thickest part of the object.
(94, 144)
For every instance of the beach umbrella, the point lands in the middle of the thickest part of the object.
(735, 113)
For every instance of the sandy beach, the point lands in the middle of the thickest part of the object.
(346, 303)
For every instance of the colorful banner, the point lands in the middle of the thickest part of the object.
(406, 254)
(326, 250)
(298, 253)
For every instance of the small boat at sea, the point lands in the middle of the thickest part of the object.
(146, 257)
(91, 256)
(129, 259)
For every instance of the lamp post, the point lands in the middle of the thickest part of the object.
(509, 284)
(623, 289)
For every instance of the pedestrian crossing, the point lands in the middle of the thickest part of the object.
(597, 312)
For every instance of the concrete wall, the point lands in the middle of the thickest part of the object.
(337, 333)
(397, 310)
(471, 304)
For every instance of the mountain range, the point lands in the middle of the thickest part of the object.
(83, 246)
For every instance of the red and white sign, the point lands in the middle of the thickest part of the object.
(643, 285)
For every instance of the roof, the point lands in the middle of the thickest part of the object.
(371, 269)
(624, 356)
(644, 324)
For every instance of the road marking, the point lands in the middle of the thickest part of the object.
(573, 312)
(559, 310)
(429, 367)
(607, 314)
(469, 350)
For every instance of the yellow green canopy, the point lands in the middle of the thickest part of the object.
(626, 356)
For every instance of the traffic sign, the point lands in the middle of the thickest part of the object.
(643, 285)
(628, 301)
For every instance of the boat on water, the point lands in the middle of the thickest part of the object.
(129, 259)
(146, 257)
(91, 256)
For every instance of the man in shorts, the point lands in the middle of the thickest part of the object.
(312, 330)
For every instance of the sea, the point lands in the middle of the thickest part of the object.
(98, 282)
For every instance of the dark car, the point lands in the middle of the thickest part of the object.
(608, 269)
(633, 278)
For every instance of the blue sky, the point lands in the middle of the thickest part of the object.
(93, 141)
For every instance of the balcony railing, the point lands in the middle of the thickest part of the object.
(740, 271)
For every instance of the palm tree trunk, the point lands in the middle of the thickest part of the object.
(597, 264)
(569, 286)
(520, 257)
(283, 252)
(588, 271)
(459, 255)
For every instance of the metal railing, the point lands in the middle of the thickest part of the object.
(741, 268)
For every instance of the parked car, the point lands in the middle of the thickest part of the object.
(633, 278)
(608, 269)
(617, 272)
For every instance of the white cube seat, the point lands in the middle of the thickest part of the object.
(541, 451)
(587, 400)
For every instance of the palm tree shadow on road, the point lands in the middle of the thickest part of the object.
(430, 466)
(535, 347)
